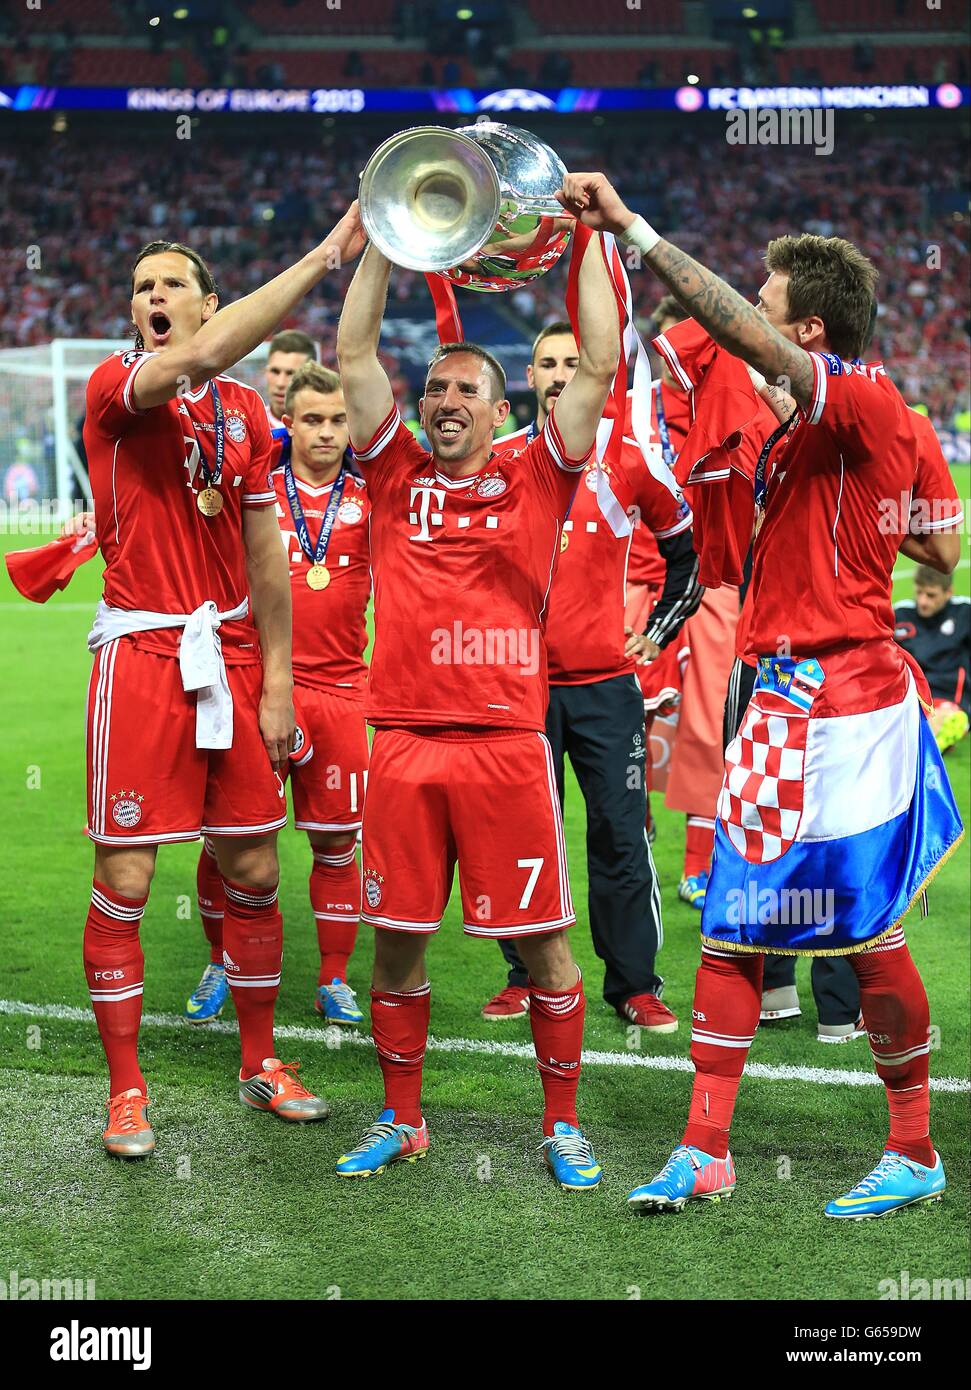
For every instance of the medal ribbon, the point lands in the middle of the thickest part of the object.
(448, 323)
(662, 427)
(315, 554)
(211, 476)
(761, 481)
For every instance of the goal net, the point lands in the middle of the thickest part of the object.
(43, 469)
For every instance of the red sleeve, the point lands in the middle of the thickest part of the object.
(391, 442)
(723, 403)
(689, 351)
(936, 505)
(258, 488)
(554, 450)
(857, 405)
(108, 399)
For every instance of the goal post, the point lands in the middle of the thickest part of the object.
(43, 470)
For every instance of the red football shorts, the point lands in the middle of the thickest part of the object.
(147, 780)
(328, 787)
(486, 800)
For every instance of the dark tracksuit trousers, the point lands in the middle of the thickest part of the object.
(600, 728)
(834, 982)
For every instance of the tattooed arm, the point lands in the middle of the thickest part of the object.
(735, 325)
(781, 404)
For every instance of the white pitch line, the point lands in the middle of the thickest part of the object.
(909, 566)
(25, 606)
(818, 1076)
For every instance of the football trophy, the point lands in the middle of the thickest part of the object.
(476, 205)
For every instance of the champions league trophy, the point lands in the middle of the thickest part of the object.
(475, 205)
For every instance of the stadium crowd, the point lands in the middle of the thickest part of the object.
(249, 213)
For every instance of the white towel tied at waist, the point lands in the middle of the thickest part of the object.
(200, 658)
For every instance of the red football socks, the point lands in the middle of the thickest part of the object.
(399, 1026)
(115, 969)
(897, 1017)
(728, 997)
(699, 840)
(335, 896)
(212, 900)
(252, 955)
(556, 1018)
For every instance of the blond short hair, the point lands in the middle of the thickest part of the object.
(311, 376)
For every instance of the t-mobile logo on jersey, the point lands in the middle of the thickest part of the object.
(486, 646)
(424, 492)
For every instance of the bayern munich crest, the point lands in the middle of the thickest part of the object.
(349, 513)
(491, 485)
(236, 428)
(372, 887)
(126, 809)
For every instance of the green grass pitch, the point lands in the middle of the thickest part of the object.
(237, 1205)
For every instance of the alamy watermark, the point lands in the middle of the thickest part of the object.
(17, 1289)
(804, 907)
(756, 125)
(459, 645)
(908, 1289)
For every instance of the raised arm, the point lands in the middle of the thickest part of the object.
(581, 402)
(236, 330)
(367, 390)
(733, 323)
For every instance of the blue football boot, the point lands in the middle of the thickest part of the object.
(569, 1156)
(689, 1173)
(336, 1002)
(209, 997)
(692, 890)
(895, 1182)
(382, 1144)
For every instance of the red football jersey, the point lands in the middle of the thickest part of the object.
(824, 554)
(585, 629)
(932, 505)
(329, 632)
(644, 564)
(160, 552)
(462, 573)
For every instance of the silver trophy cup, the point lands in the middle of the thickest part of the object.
(474, 204)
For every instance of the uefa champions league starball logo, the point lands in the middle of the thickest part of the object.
(516, 99)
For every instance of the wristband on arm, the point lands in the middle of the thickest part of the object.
(641, 234)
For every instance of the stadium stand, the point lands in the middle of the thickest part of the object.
(887, 193)
(873, 16)
(316, 17)
(575, 17)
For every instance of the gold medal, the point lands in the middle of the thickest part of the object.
(564, 540)
(209, 501)
(318, 577)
